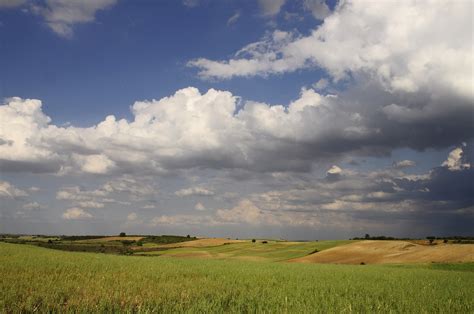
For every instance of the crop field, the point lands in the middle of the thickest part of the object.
(39, 279)
(270, 251)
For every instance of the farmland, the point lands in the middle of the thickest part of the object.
(40, 279)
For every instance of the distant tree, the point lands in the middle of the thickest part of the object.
(445, 241)
(122, 234)
(188, 236)
(264, 242)
(50, 241)
(367, 236)
(431, 239)
(253, 240)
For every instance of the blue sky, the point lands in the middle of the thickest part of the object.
(134, 51)
(295, 119)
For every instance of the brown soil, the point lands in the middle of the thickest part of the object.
(384, 252)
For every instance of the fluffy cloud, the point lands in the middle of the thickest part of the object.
(31, 206)
(194, 191)
(19, 120)
(407, 78)
(76, 213)
(99, 163)
(334, 170)
(126, 184)
(455, 160)
(62, 15)
(403, 164)
(188, 220)
(214, 130)
(7, 190)
(244, 212)
(135, 190)
(379, 40)
(75, 193)
(377, 197)
(132, 216)
(403, 78)
(91, 204)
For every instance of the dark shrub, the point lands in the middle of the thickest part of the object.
(122, 234)
(253, 240)
(264, 242)
(362, 263)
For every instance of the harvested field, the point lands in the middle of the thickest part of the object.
(395, 252)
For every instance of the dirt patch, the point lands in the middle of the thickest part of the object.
(385, 252)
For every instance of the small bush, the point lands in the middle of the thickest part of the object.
(264, 242)
(362, 263)
(122, 234)
(253, 240)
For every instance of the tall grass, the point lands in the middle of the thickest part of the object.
(37, 279)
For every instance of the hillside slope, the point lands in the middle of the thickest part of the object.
(384, 252)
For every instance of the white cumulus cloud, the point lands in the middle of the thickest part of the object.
(76, 213)
(455, 162)
(405, 46)
(8, 190)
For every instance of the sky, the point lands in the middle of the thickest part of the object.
(292, 119)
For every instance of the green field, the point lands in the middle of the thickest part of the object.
(272, 251)
(40, 279)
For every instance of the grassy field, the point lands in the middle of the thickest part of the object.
(271, 251)
(39, 279)
(98, 244)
